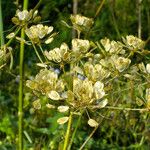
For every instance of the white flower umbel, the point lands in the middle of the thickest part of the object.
(80, 46)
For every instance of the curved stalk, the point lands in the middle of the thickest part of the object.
(21, 72)
(88, 138)
(68, 132)
(37, 53)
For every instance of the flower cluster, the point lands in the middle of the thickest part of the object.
(59, 54)
(81, 22)
(38, 32)
(91, 72)
(24, 17)
(47, 83)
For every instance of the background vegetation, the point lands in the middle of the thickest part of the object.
(121, 130)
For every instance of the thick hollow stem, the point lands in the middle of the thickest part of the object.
(68, 132)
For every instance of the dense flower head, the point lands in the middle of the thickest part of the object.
(81, 21)
(59, 54)
(95, 72)
(112, 47)
(120, 63)
(134, 42)
(24, 17)
(38, 32)
(46, 82)
(80, 46)
(85, 92)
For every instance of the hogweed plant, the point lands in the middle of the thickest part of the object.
(87, 76)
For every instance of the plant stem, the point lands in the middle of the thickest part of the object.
(88, 138)
(99, 9)
(1, 25)
(139, 18)
(37, 53)
(74, 133)
(128, 109)
(37, 6)
(21, 72)
(43, 52)
(10, 40)
(68, 132)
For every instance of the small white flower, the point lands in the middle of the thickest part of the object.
(79, 45)
(22, 15)
(63, 108)
(50, 106)
(54, 95)
(92, 123)
(62, 120)
(148, 68)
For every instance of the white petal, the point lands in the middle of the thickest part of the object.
(63, 108)
(92, 123)
(54, 95)
(41, 65)
(50, 106)
(62, 120)
(49, 40)
(148, 68)
(103, 103)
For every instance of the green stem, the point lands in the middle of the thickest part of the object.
(1, 25)
(37, 53)
(10, 40)
(68, 132)
(74, 133)
(127, 109)
(37, 6)
(88, 138)
(43, 52)
(21, 72)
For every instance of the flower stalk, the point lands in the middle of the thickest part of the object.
(21, 72)
(68, 132)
